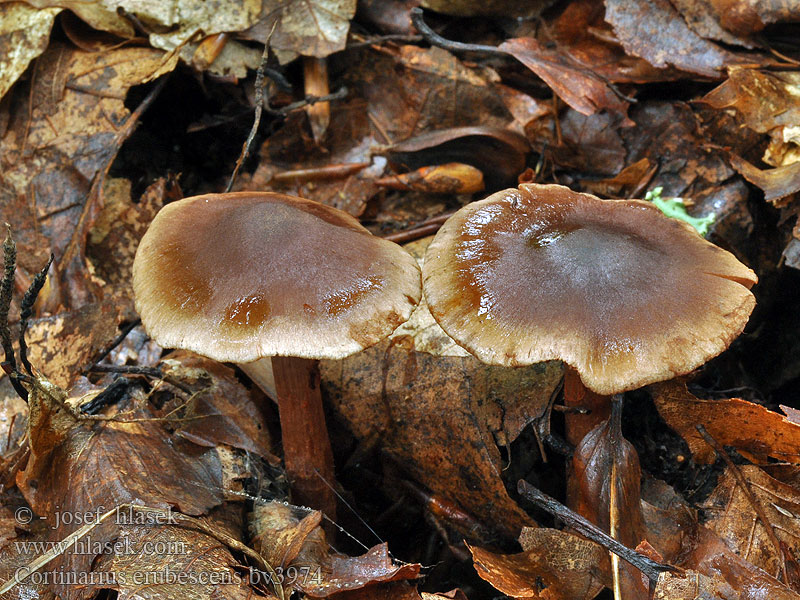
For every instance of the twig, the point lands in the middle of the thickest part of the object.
(748, 492)
(435, 39)
(117, 341)
(259, 107)
(420, 230)
(26, 311)
(151, 372)
(307, 101)
(573, 520)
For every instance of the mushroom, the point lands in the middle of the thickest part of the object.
(274, 282)
(622, 294)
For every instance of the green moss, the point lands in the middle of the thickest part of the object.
(676, 209)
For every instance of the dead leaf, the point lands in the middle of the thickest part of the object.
(24, 35)
(605, 486)
(575, 84)
(64, 344)
(754, 431)
(555, 565)
(653, 30)
(308, 27)
(777, 183)
(734, 519)
(290, 538)
(745, 18)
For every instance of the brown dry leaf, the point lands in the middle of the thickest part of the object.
(291, 537)
(605, 489)
(745, 17)
(24, 35)
(222, 410)
(168, 561)
(555, 565)
(777, 183)
(571, 81)
(308, 27)
(755, 432)
(449, 178)
(691, 585)
(80, 466)
(61, 135)
(588, 144)
(709, 555)
(115, 236)
(704, 20)
(64, 344)
(416, 405)
(734, 519)
(655, 31)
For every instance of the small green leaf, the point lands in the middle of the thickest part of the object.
(676, 209)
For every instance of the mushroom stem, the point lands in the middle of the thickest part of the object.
(577, 394)
(295, 384)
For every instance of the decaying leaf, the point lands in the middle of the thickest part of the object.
(555, 565)
(754, 431)
(24, 34)
(735, 520)
(777, 183)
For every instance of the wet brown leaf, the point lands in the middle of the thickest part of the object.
(575, 84)
(24, 35)
(555, 566)
(605, 484)
(754, 431)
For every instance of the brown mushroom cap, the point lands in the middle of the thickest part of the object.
(617, 290)
(241, 276)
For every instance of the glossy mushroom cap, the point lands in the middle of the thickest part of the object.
(241, 276)
(617, 290)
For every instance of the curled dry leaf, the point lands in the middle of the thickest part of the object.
(755, 432)
(291, 537)
(449, 178)
(655, 31)
(777, 183)
(555, 565)
(24, 35)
